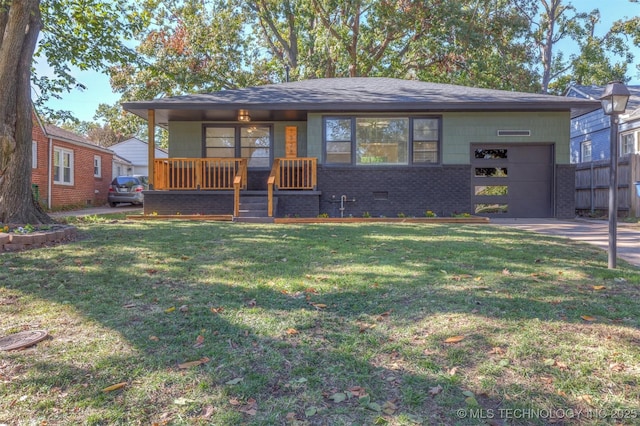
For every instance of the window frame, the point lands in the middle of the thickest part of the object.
(61, 152)
(34, 154)
(633, 136)
(237, 138)
(97, 166)
(410, 143)
(583, 145)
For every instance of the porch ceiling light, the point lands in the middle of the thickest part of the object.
(615, 97)
(243, 115)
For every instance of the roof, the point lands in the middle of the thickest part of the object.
(291, 101)
(56, 132)
(595, 92)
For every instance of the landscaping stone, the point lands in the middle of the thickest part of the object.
(55, 234)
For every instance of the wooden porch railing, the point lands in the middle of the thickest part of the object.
(293, 174)
(239, 182)
(199, 173)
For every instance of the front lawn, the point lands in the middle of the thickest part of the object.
(220, 323)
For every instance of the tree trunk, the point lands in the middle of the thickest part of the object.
(20, 25)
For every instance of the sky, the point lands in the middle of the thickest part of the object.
(84, 103)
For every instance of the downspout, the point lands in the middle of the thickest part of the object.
(49, 170)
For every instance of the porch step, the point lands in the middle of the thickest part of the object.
(254, 209)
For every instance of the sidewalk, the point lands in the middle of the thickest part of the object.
(595, 232)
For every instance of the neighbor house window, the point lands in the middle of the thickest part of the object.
(34, 154)
(585, 151)
(62, 166)
(97, 166)
(381, 140)
(627, 144)
(252, 142)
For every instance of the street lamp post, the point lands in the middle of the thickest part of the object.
(614, 102)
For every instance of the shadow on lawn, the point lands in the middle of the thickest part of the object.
(401, 278)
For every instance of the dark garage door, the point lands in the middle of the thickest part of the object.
(509, 180)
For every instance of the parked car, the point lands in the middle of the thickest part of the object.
(126, 189)
(144, 179)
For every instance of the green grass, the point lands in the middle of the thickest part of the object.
(317, 324)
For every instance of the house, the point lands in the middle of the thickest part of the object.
(363, 146)
(68, 169)
(121, 166)
(590, 132)
(135, 153)
(591, 152)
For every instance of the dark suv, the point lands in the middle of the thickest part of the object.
(126, 189)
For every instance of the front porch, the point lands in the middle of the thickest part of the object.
(219, 186)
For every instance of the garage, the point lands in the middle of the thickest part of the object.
(512, 180)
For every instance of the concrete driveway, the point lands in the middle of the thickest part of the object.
(120, 208)
(595, 232)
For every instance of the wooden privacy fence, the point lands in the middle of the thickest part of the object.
(592, 186)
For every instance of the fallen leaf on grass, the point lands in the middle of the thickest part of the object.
(389, 408)
(199, 341)
(234, 381)
(586, 398)
(496, 351)
(319, 305)
(182, 401)
(435, 390)
(292, 331)
(617, 367)
(311, 411)
(151, 271)
(114, 387)
(207, 412)
(588, 318)
(338, 397)
(290, 417)
(252, 303)
(454, 339)
(183, 308)
(250, 408)
(190, 364)
(216, 310)
(599, 287)
(129, 305)
(505, 271)
(169, 310)
(358, 391)
(154, 338)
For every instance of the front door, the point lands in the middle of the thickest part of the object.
(251, 141)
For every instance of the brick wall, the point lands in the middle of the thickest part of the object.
(387, 192)
(86, 189)
(565, 191)
(188, 202)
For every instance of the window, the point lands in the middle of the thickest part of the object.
(97, 166)
(34, 154)
(381, 140)
(62, 166)
(627, 144)
(585, 151)
(252, 142)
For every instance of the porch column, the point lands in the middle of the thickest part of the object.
(151, 123)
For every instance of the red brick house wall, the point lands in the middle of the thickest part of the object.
(85, 188)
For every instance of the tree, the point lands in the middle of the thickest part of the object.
(20, 25)
(86, 34)
(555, 21)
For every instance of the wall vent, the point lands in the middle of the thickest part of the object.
(514, 132)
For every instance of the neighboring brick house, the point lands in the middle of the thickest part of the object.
(68, 169)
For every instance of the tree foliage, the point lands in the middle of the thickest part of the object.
(88, 34)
